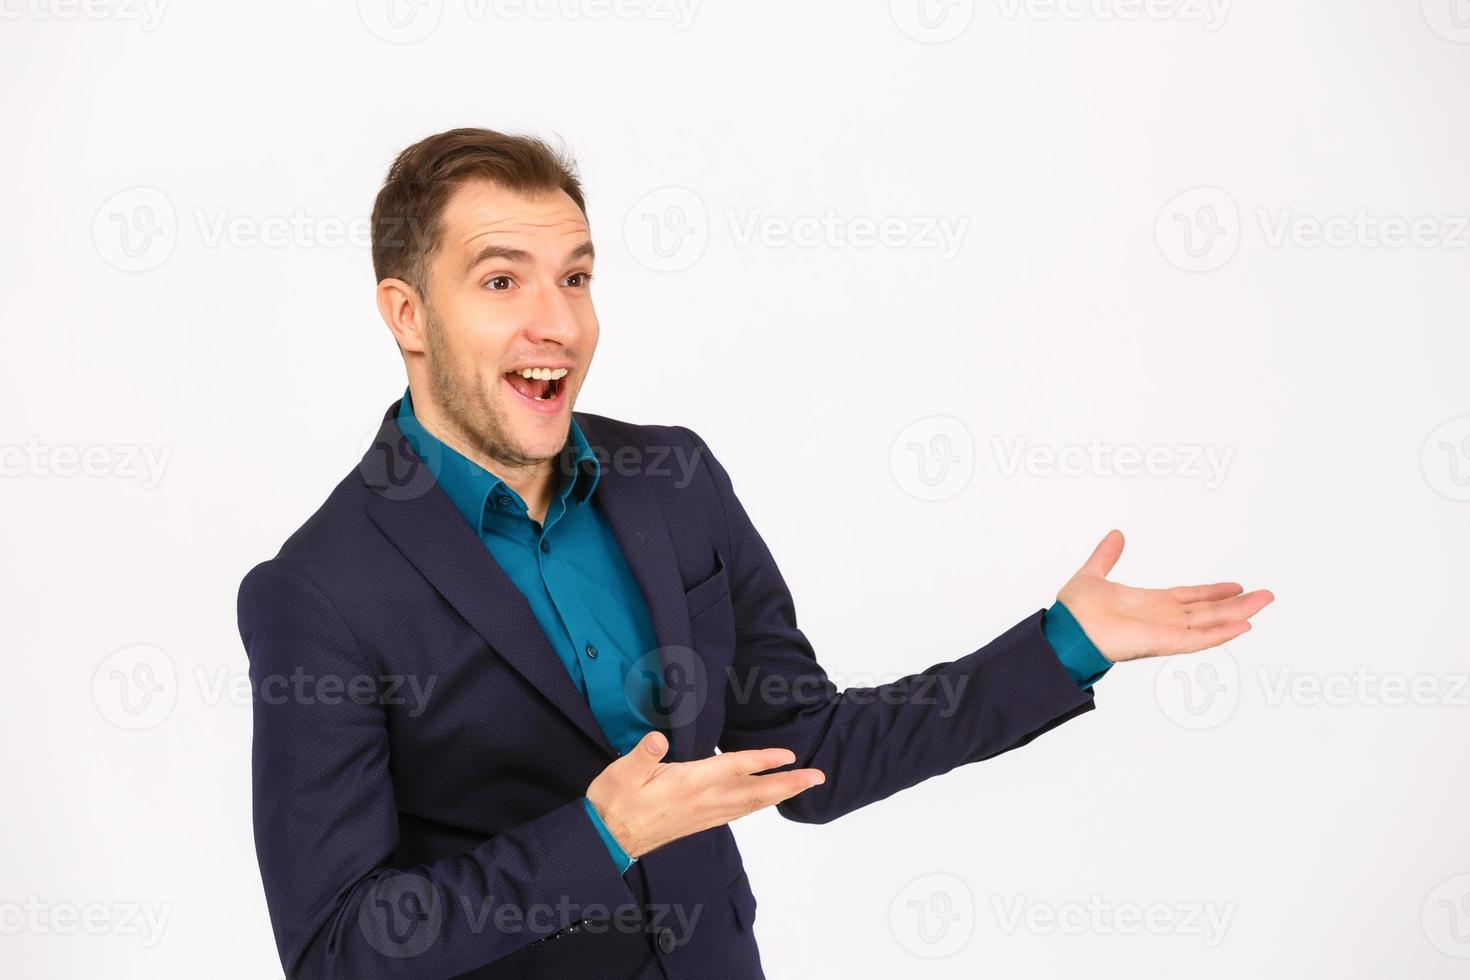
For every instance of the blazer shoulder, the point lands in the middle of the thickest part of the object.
(612, 433)
(339, 530)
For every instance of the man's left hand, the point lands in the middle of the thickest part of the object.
(1125, 623)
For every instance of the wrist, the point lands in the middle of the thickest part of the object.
(615, 849)
(1083, 661)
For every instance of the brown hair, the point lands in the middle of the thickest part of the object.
(406, 214)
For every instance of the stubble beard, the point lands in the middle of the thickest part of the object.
(473, 417)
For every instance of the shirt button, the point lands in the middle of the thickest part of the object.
(666, 939)
(502, 501)
(545, 547)
(592, 651)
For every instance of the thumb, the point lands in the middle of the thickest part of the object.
(649, 751)
(1104, 556)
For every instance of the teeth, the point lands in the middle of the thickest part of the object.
(542, 374)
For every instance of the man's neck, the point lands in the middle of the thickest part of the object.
(536, 483)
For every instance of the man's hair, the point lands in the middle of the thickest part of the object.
(407, 212)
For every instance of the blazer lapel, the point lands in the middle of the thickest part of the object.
(424, 524)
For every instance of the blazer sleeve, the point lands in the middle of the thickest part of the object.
(871, 742)
(326, 826)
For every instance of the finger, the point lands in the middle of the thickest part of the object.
(1105, 555)
(758, 792)
(1202, 615)
(750, 761)
(1204, 593)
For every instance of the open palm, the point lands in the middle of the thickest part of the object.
(1126, 623)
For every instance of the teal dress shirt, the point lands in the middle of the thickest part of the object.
(1083, 661)
(572, 572)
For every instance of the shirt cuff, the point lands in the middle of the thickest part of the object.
(620, 857)
(1076, 652)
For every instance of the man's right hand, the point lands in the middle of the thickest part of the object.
(646, 803)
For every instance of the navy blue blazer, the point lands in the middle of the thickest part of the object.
(420, 752)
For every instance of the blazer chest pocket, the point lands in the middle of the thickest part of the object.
(712, 589)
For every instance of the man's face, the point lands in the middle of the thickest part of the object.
(509, 289)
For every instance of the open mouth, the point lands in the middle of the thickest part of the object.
(542, 387)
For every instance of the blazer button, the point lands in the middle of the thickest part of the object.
(666, 939)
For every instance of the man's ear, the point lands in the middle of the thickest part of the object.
(403, 310)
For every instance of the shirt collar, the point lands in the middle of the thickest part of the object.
(469, 485)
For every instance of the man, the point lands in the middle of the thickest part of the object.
(494, 668)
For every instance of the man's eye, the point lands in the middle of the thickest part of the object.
(579, 279)
(498, 283)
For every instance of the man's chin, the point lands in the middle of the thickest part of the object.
(540, 439)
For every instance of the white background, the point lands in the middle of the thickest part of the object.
(1305, 784)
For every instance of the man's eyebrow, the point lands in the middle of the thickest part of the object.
(521, 255)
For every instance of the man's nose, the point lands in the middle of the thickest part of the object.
(551, 317)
